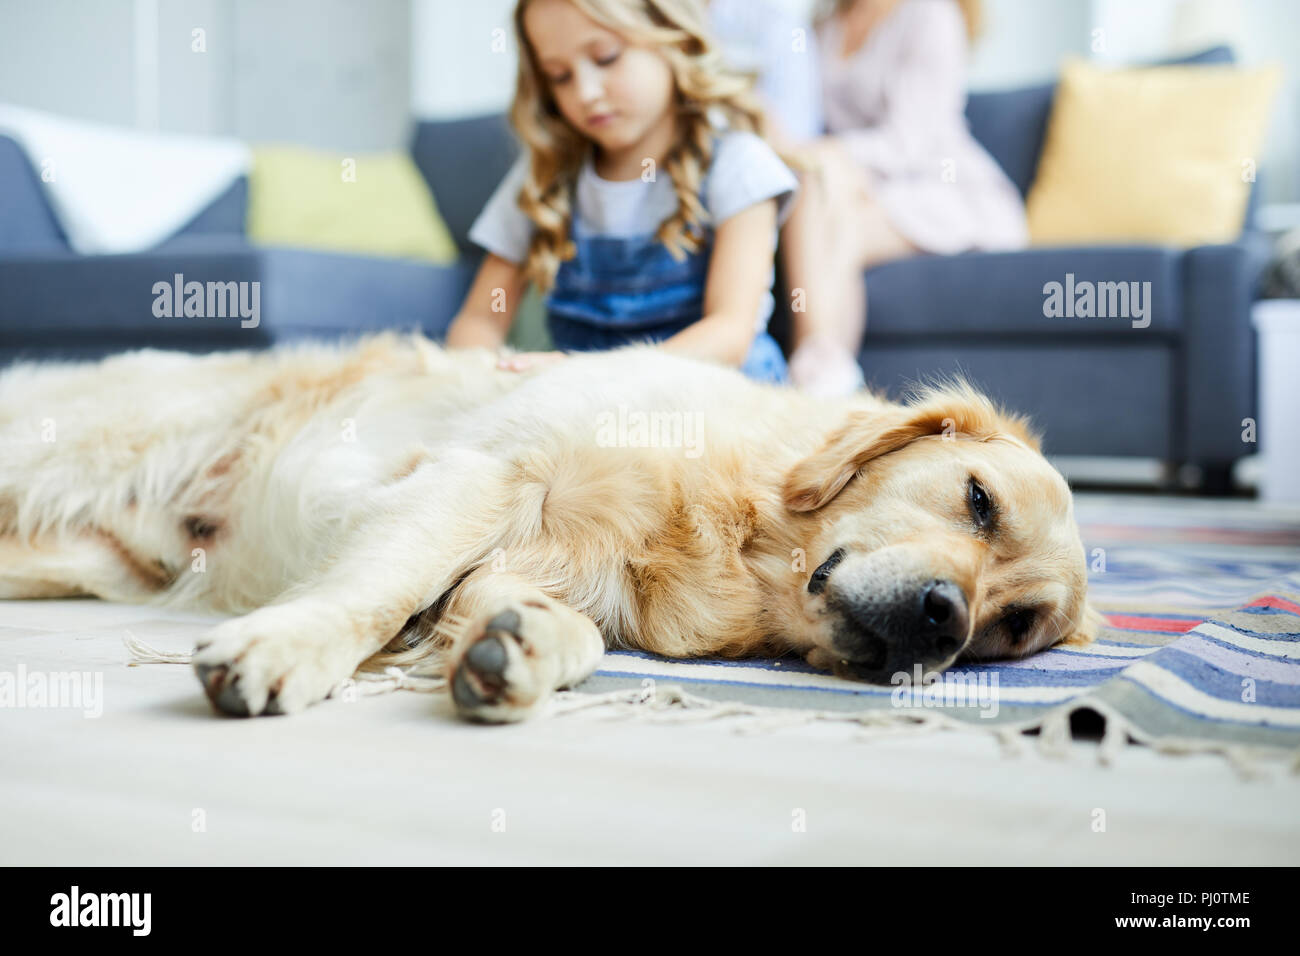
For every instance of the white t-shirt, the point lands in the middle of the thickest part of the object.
(744, 171)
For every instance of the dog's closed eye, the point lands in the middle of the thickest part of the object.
(1017, 624)
(983, 510)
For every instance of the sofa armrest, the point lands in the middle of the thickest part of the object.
(26, 219)
(86, 305)
(1218, 369)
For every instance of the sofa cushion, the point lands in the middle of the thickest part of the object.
(1150, 154)
(29, 226)
(1011, 125)
(989, 293)
(26, 221)
(368, 204)
(314, 294)
(226, 215)
(1090, 399)
(463, 161)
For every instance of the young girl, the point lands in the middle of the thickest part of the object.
(639, 214)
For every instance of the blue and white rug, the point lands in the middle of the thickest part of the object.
(1201, 651)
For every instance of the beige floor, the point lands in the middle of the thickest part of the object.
(393, 779)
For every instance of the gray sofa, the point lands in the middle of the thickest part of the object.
(1176, 390)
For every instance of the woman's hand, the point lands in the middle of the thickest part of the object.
(524, 361)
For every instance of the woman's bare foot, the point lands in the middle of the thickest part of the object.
(824, 368)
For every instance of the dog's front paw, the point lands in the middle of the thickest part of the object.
(508, 667)
(273, 661)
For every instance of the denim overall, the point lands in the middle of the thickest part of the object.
(616, 291)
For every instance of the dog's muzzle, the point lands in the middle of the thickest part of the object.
(878, 636)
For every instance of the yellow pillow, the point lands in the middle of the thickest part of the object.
(1159, 154)
(376, 204)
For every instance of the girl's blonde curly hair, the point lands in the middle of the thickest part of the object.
(704, 90)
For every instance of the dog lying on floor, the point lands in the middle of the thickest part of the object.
(389, 501)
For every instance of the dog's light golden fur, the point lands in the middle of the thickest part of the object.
(390, 498)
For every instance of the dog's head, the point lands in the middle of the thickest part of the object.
(942, 533)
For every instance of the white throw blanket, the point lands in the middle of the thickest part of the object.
(122, 190)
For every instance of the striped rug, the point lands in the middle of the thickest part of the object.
(1201, 651)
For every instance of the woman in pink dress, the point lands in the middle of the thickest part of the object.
(897, 173)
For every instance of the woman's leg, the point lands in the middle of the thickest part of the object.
(815, 259)
(835, 231)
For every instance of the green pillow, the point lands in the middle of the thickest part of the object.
(375, 204)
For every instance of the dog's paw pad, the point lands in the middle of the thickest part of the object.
(252, 666)
(274, 706)
(222, 688)
(507, 624)
(481, 677)
(507, 621)
(500, 676)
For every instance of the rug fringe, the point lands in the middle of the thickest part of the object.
(670, 704)
(142, 653)
(367, 683)
(394, 678)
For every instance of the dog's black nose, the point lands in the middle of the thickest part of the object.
(926, 624)
(943, 616)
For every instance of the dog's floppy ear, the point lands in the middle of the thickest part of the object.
(954, 410)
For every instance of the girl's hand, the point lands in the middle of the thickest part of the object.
(524, 361)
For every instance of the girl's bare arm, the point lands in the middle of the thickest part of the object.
(739, 271)
(489, 308)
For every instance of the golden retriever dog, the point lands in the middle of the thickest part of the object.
(388, 501)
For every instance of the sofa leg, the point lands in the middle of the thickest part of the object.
(1215, 478)
(1169, 480)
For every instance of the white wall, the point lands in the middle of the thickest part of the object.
(327, 73)
(1024, 41)
(462, 57)
(196, 87)
(348, 74)
(69, 56)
